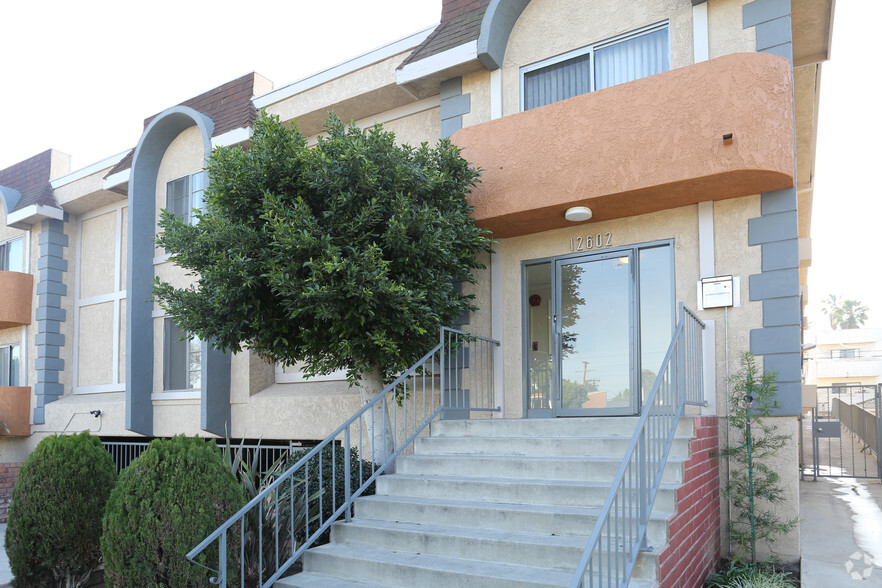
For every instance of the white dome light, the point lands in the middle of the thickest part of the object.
(578, 214)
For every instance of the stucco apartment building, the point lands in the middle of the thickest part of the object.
(687, 127)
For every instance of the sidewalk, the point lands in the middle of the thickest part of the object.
(5, 572)
(841, 532)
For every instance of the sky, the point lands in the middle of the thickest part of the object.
(80, 77)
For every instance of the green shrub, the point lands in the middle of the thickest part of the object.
(54, 521)
(745, 575)
(166, 502)
(333, 462)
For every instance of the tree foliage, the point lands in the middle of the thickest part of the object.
(52, 538)
(844, 314)
(339, 256)
(175, 494)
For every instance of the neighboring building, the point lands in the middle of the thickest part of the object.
(687, 127)
(846, 357)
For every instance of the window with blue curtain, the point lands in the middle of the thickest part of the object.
(596, 67)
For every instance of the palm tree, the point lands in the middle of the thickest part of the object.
(854, 314)
(844, 314)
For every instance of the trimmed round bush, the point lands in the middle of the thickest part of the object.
(166, 502)
(54, 523)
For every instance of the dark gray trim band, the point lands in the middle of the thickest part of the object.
(215, 408)
(777, 286)
(499, 19)
(771, 18)
(9, 197)
(454, 104)
(139, 282)
(51, 267)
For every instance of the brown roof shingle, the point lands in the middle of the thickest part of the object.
(228, 105)
(31, 178)
(460, 23)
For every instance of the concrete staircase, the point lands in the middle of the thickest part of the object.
(491, 503)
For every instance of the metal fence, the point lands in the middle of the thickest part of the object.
(620, 532)
(452, 380)
(265, 454)
(845, 431)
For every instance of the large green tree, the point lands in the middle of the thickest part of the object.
(337, 256)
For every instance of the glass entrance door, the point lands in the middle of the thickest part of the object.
(593, 326)
(597, 328)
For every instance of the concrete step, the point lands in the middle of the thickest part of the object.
(509, 490)
(314, 580)
(413, 569)
(564, 427)
(528, 518)
(608, 446)
(488, 545)
(595, 469)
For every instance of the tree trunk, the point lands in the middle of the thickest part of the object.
(376, 421)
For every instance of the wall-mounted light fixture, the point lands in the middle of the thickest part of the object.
(577, 214)
(727, 139)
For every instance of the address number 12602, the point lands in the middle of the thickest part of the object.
(591, 242)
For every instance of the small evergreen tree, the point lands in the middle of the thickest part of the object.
(175, 494)
(54, 521)
(753, 486)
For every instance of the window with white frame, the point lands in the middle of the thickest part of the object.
(182, 369)
(10, 361)
(12, 255)
(185, 194)
(615, 61)
(846, 353)
(99, 349)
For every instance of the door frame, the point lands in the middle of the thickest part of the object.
(634, 327)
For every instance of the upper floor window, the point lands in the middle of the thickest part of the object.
(12, 255)
(622, 59)
(10, 358)
(847, 353)
(183, 359)
(185, 194)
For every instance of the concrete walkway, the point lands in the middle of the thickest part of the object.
(841, 532)
(5, 572)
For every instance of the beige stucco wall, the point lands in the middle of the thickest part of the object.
(547, 28)
(416, 128)
(725, 32)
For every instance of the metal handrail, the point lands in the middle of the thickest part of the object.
(458, 359)
(624, 517)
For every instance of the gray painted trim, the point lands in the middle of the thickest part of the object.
(499, 19)
(216, 413)
(770, 340)
(454, 104)
(778, 201)
(49, 315)
(780, 255)
(779, 226)
(450, 126)
(773, 32)
(774, 284)
(785, 51)
(778, 312)
(697, 2)
(761, 11)
(9, 197)
(451, 88)
(139, 282)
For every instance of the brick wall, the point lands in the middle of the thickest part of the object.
(693, 548)
(8, 476)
